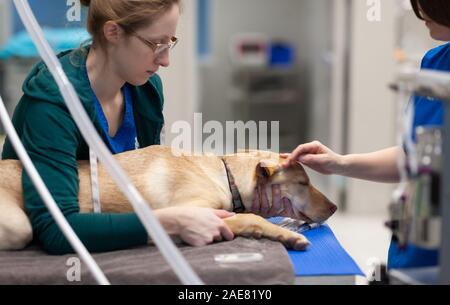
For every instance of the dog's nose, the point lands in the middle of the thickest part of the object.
(333, 209)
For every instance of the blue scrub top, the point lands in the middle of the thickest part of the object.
(428, 112)
(126, 136)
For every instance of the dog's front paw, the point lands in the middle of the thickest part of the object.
(295, 241)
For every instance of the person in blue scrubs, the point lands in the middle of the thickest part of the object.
(381, 166)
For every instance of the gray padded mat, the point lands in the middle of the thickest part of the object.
(146, 266)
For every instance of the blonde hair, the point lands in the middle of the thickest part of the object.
(131, 15)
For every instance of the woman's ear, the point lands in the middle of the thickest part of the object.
(112, 31)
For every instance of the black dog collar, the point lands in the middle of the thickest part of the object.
(238, 205)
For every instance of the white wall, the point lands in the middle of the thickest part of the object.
(5, 20)
(5, 32)
(372, 105)
(316, 43)
(339, 93)
(180, 79)
(413, 36)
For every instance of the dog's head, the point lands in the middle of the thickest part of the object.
(308, 203)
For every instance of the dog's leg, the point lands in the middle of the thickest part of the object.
(250, 225)
(15, 228)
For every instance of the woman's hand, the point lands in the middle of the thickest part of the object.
(318, 157)
(196, 226)
(280, 206)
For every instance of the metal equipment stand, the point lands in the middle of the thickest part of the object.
(435, 85)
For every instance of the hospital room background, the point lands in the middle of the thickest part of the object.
(327, 78)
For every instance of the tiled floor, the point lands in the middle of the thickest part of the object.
(364, 237)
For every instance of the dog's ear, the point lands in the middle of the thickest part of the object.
(266, 169)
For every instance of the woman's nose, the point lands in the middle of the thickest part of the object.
(163, 59)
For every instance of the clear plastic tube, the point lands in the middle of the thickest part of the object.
(408, 118)
(170, 252)
(405, 113)
(48, 199)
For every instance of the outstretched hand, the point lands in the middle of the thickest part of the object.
(316, 156)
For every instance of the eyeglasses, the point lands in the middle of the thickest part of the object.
(158, 48)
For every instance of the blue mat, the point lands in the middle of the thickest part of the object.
(324, 257)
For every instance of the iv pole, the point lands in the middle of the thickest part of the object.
(436, 85)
